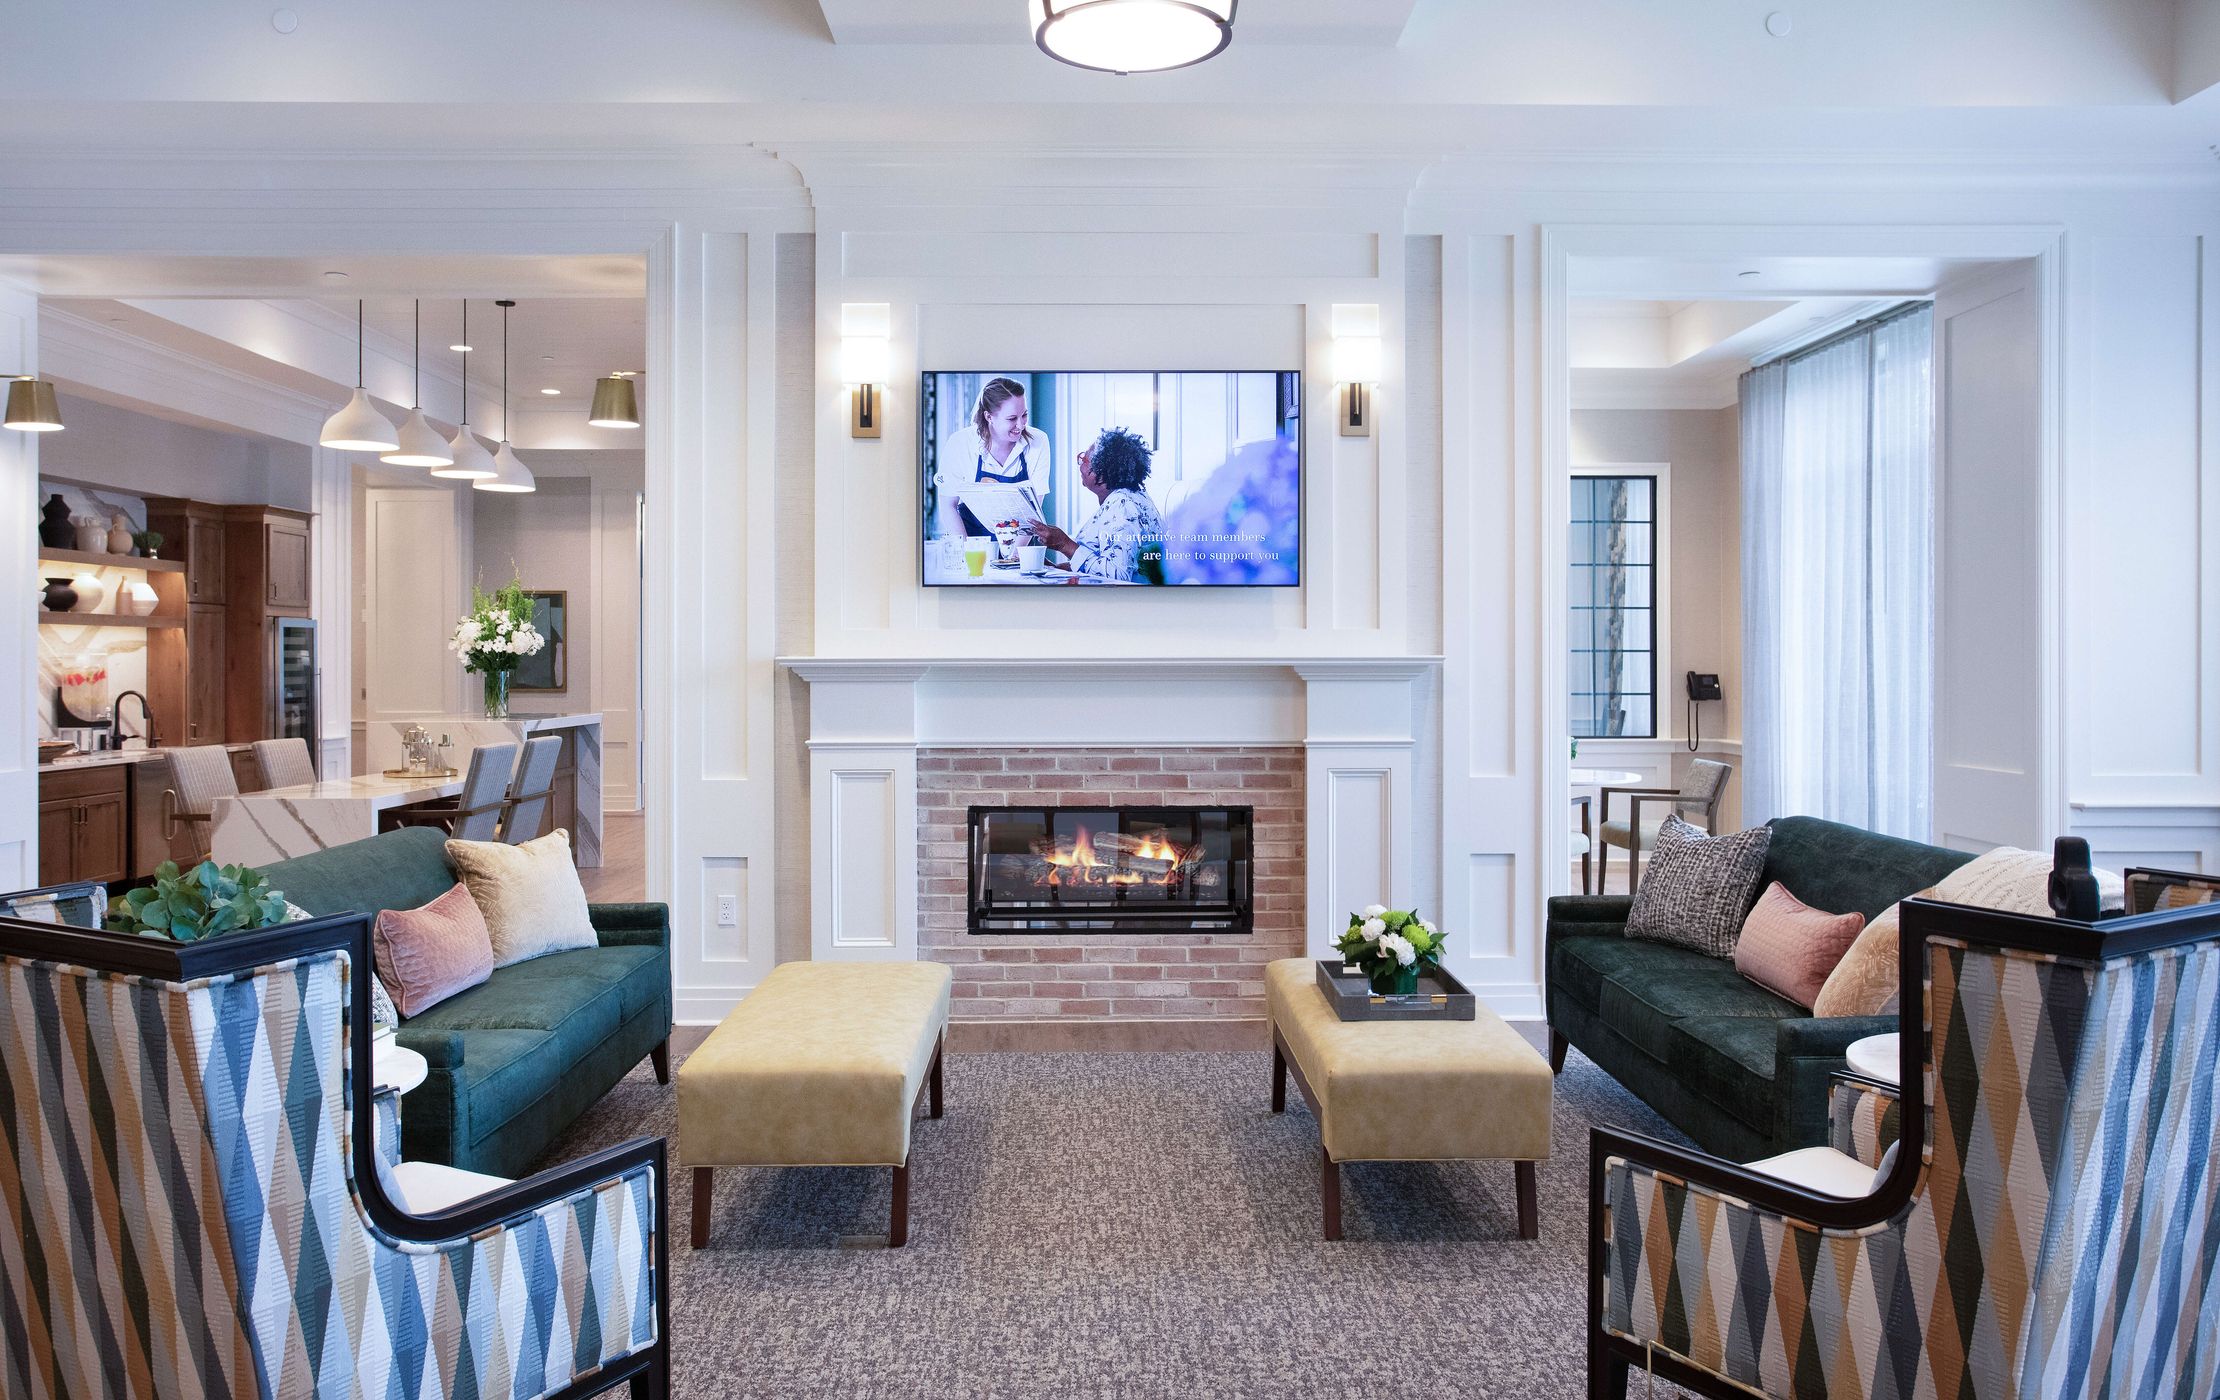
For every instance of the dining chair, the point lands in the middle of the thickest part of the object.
(199, 774)
(1696, 799)
(475, 815)
(532, 790)
(283, 762)
(1584, 842)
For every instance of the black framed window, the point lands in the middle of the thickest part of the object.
(1611, 680)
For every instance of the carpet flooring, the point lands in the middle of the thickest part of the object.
(1123, 1225)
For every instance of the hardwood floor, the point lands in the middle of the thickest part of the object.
(622, 877)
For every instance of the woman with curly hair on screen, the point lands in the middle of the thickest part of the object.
(1123, 541)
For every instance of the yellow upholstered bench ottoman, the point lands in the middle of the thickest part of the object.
(1408, 1091)
(822, 1065)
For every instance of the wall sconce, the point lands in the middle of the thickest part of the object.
(32, 407)
(863, 365)
(1356, 371)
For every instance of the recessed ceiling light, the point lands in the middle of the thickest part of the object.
(547, 359)
(335, 277)
(551, 393)
(1748, 272)
(460, 349)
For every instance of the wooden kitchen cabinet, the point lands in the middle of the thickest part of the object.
(84, 824)
(205, 648)
(267, 575)
(193, 534)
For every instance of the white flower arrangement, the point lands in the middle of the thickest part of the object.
(497, 632)
(1389, 946)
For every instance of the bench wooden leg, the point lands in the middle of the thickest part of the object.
(1279, 1077)
(1329, 1192)
(660, 1057)
(1558, 1045)
(1530, 1226)
(701, 1207)
(940, 1049)
(898, 1222)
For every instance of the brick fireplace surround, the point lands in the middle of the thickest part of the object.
(1215, 979)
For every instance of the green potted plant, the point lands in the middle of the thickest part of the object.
(189, 905)
(1391, 947)
(148, 542)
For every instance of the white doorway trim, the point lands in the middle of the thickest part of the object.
(1560, 244)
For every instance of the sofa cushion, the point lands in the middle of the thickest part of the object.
(427, 954)
(1698, 887)
(583, 995)
(1789, 947)
(1729, 1062)
(505, 1072)
(1842, 869)
(530, 892)
(1641, 989)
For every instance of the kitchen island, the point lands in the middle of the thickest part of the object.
(256, 828)
(576, 805)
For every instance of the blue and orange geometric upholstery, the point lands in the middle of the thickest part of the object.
(190, 1204)
(2048, 1228)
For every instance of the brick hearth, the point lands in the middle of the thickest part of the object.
(1121, 976)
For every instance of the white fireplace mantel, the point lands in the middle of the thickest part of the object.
(1355, 717)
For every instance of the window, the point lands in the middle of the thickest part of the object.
(1611, 676)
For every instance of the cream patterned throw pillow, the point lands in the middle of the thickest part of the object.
(1698, 888)
(529, 894)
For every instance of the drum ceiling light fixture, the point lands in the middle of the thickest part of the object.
(1132, 36)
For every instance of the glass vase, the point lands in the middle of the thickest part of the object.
(497, 695)
(1395, 980)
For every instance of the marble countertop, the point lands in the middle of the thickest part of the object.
(109, 757)
(529, 723)
(374, 788)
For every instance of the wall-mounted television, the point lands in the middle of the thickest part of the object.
(1111, 479)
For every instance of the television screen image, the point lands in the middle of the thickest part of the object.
(1114, 479)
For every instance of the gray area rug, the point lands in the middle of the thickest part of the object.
(1130, 1225)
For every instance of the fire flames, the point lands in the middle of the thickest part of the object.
(1113, 859)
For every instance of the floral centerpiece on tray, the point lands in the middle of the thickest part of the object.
(1391, 947)
(494, 636)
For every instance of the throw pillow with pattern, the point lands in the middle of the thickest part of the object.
(1697, 888)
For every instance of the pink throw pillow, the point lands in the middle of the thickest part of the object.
(1789, 947)
(426, 955)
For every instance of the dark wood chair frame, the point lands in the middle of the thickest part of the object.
(898, 1215)
(1587, 829)
(1329, 1170)
(1635, 798)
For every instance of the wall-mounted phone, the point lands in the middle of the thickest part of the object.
(1702, 685)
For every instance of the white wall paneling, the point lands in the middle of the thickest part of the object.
(331, 602)
(416, 544)
(19, 649)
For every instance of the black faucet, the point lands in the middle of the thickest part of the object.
(152, 736)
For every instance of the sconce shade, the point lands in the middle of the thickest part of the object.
(863, 359)
(1357, 359)
(615, 404)
(359, 427)
(510, 475)
(32, 407)
(420, 445)
(471, 460)
(1132, 36)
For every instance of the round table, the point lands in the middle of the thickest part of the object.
(396, 1067)
(1875, 1057)
(1604, 777)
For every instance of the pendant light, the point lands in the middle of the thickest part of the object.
(1132, 36)
(615, 404)
(359, 427)
(33, 409)
(471, 460)
(421, 445)
(511, 475)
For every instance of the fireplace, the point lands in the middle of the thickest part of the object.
(1109, 869)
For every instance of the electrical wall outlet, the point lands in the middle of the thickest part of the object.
(728, 911)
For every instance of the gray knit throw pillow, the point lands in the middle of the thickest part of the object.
(1698, 888)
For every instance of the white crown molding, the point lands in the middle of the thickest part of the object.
(1665, 397)
(860, 668)
(1466, 175)
(947, 172)
(91, 356)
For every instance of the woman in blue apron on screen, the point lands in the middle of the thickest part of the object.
(999, 449)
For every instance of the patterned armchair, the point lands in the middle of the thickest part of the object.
(194, 1204)
(2045, 1225)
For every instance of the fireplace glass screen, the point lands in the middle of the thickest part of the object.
(1109, 869)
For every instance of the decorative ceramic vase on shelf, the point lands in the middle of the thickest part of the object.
(135, 596)
(60, 597)
(56, 530)
(92, 594)
(497, 694)
(119, 534)
(92, 536)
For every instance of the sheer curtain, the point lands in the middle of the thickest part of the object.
(1837, 580)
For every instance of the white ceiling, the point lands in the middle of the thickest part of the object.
(1370, 23)
(1707, 279)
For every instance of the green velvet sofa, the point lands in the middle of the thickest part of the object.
(1738, 1069)
(518, 1058)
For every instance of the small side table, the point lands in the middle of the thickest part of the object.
(394, 1070)
(1875, 1057)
